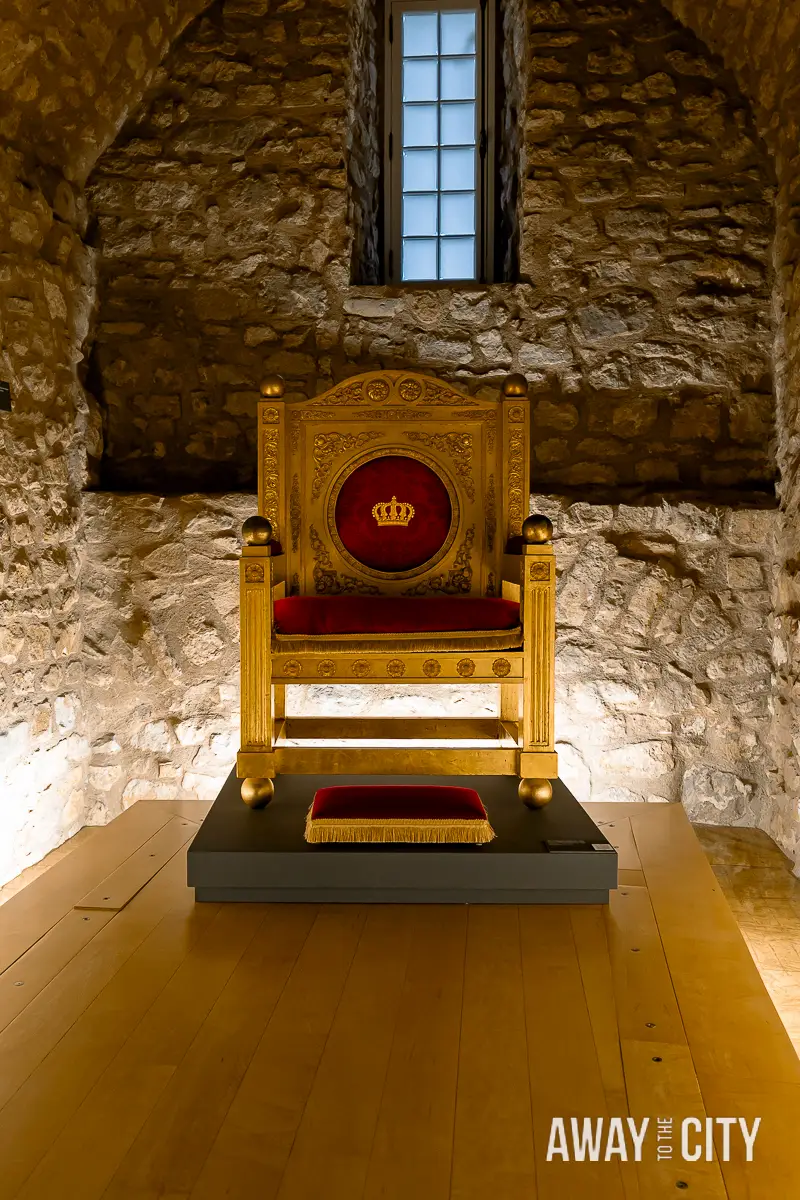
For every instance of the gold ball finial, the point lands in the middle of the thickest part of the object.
(535, 793)
(273, 387)
(537, 530)
(257, 793)
(515, 385)
(257, 531)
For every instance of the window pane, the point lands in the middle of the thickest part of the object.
(458, 212)
(419, 124)
(458, 124)
(421, 80)
(458, 33)
(458, 170)
(419, 258)
(420, 34)
(419, 170)
(420, 217)
(457, 258)
(458, 79)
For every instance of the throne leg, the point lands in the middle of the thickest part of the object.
(257, 793)
(535, 793)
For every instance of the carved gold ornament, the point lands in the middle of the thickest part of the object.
(328, 446)
(270, 478)
(396, 667)
(410, 390)
(490, 520)
(431, 668)
(269, 416)
(393, 512)
(292, 667)
(465, 667)
(326, 669)
(295, 512)
(377, 390)
(455, 582)
(501, 667)
(327, 581)
(458, 446)
(361, 668)
(540, 571)
(254, 573)
(515, 481)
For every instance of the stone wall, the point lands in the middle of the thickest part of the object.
(664, 672)
(45, 297)
(663, 660)
(642, 316)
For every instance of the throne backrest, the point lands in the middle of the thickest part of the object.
(394, 483)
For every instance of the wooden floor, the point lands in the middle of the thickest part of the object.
(764, 895)
(153, 1048)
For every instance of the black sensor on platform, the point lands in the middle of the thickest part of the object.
(5, 396)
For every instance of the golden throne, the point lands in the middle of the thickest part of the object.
(392, 544)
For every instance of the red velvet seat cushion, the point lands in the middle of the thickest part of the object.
(321, 615)
(397, 813)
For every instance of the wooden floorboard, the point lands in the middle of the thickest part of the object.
(82, 1159)
(119, 888)
(22, 982)
(332, 1148)
(250, 1152)
(493, 1151)
(660, 1077)
(412, 1150)
(741, 1051)
(55, 1051)
(563, 1063)
(170, 1149)
(162, 1049)
(31, 913)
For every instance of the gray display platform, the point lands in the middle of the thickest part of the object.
(239, 854)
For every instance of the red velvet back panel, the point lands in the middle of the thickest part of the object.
(393, 547)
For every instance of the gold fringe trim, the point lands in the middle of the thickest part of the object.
(389, 829)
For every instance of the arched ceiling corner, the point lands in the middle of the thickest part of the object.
(70, 73)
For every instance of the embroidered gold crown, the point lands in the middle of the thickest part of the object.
(393, 512)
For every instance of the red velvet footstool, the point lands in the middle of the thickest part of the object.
(409, 812)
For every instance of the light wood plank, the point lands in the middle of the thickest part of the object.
(90, 1146)
(28, 915)
(413, 1148)
(661, 1082)
(55, 1051)
(563, 1064)
(249, 1155)
(733, 1028)
(647, 1009)
(195, 811)
(626, 878)
(168, 1154)
(588, 928)
(22, 982)
(119, 888)
(617, 828)
(745, 1062)
(493, 1152)
(774, 1172)
(660, 1077)
(331, 1152)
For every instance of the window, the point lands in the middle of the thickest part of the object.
(438, 141)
